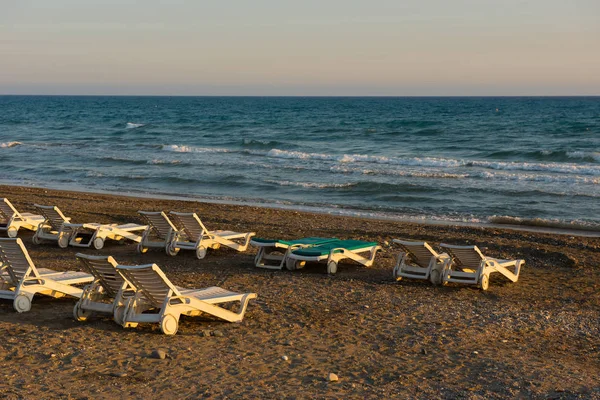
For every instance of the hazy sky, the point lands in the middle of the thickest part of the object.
(305, 47)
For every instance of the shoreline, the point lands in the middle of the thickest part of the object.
(552, 230)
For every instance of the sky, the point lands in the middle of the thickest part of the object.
(308, 47)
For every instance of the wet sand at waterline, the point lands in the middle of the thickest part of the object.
(539, 337)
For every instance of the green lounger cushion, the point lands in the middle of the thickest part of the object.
(304, 241)
(325, 249)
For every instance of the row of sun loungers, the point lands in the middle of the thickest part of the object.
(185, 231)
(132, 294)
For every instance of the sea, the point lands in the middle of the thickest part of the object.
(527, 161)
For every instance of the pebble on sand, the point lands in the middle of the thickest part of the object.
(217, 333)
(158, 354)
(284, 358)
(332, 377)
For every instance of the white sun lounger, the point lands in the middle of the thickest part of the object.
(25, 280)
(154, 288)
(272, 254)
(417, 260)
(159, 233)
(470, 266)
(193, 235)
(109, 291)
(333, 252)
(84, 235)
(11, 220)
(52, 227)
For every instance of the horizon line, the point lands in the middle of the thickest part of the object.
(296, 96)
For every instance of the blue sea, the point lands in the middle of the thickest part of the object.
(520, 160)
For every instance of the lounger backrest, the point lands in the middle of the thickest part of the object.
(160, 224)
(150, 281)
(419, 252)
(464, 256)
(16, 259)
(104, 270)
(8, 211)
(189, 224)
(53, 216)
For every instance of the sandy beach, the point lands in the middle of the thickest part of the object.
(537, 338)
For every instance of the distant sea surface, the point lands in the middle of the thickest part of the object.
(523, 160)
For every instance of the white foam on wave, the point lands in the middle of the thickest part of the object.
(584, 155)
(7, 145)
(310, 184)
(353, 158)
(159, 162)
(132, 125)
(193, 149)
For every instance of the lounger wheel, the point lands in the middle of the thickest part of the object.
(435, 277)
(141, 249)
(169, 324)
(22, 303)
(119, 317)
(80, 314)
(485, 282)
(12, 231)
(201, 252)
(292, 265)
(63, 240)
(98, 243)
(331, 267)
(171, 250)
(35, 239)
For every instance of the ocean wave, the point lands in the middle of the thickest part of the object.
(544, 223)
(193, 149)
(564, 168)
(260, 143)
(310, 184)
(584, 155)
(161, 162)
(7, 145)
(132, 125)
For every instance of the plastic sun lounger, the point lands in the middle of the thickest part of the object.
(25, 280)
(193, 235)
(11, 220)
(470, 266)
(417, 260)
(277, 250)
(52, 227)
(159, 233)
(154, 288)
(109, 291)
(333, 252)
(84, 235)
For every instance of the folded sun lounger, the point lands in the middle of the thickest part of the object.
(276, 251)
(470, 266)
(154, 288)
(417, 260)
(11, 220)
(24, 280)
(193, 235)
(333, 252)
(52, 227)
(159, 233)
(109, 291)
(84, 235)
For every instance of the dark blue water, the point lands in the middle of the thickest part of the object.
(456, 159)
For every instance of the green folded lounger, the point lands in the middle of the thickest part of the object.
(277, 250)
(333, 252)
